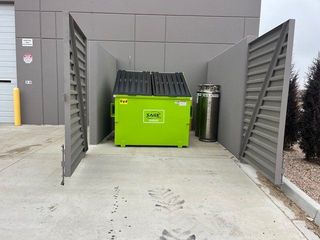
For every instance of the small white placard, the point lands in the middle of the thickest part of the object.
(27, 42)
(182, 104)
(28, 82)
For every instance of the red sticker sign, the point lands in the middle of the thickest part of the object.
(27, 58)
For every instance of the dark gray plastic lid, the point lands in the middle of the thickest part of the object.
(148, 84)
(169, 84)
(132, 83)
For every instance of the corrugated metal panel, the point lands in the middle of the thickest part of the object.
(8, 72)
(169, 84)
(133, 83)
(269, 62)
(76, 98)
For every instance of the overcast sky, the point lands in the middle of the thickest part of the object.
(307, 28)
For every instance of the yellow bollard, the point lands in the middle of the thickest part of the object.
(16, 106)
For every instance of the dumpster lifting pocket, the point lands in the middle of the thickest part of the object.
(112, 109)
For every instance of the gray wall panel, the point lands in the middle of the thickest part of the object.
(27, 24)
(150, 28)
(84, 20)
(66, 5)
(106, 26)
(60, 70)
(27, 4)
(252, 26)
(102, 74)
(50, 82)
(229, 71)
(204, 29)
(31, 95)
(48, 25)
(122, 51)
(191, 59)
(176, 7)
(149, 56)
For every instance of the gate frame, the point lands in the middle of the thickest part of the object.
(70, 26)
(287, 29)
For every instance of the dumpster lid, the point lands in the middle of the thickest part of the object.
(132, 83)
(169, 84)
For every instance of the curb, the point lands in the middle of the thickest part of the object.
(306, 203)
(294, 193)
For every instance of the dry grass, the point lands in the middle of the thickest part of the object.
(305, 174)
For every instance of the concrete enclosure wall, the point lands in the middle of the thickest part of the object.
(102, 74)
(229, 71)
(162, 35)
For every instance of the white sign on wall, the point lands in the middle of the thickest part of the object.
(27, 58)
(27, 42)
(28, 82)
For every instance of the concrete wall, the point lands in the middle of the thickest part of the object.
(162, 35)
(229, 71)
(102, 74)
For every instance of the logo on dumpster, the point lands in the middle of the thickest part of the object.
(123, 101)
(153, 116)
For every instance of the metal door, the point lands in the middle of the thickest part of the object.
(76, 143)
(8, 75)
(269, 63)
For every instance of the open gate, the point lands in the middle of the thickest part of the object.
(268, 73)
(76, 142)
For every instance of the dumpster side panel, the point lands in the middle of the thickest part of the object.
(149, 120)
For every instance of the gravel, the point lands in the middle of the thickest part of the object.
(305, 174)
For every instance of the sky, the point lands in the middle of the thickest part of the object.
(307, 28)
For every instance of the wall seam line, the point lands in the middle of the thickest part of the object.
(41, 61)
(56, 40)
(171, 42)
(165, 43)
(244, 27)
(159, 14)
(134, 43)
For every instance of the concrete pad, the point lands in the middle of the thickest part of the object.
(301, 225)
(292, 192)
(136, 193)
(18, 142)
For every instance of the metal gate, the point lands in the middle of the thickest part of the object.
(76, 143)
(269, 63)
(8, 72)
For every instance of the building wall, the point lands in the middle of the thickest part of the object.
(159, 35)
(229, 70)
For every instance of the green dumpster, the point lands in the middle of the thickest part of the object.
(151, 109)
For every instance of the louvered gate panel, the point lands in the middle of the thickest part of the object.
(76, 143)
(269, 62)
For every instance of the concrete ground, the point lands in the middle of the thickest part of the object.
(130, 193)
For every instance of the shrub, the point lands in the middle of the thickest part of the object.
(310, 118)
(292, 119)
